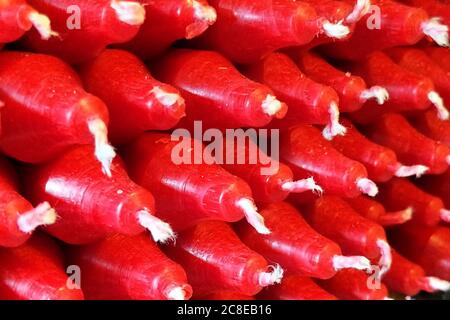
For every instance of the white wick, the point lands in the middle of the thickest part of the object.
(362, 7)
(445, 215)
(42, 24)
(352, 262)
(103, 150)
(42, 215)
(395, 218)
(367, 186)
(437, 284)
(376, 92)
(269, 278)
(165, 98)
(409, 171)
(334, 128)
(437, 31)
(176, 293)
(386, 256)
(271, 105)
(160, 230)
(302, 186)
(204, 15)
(438, 102)
(335, 30)
(252, 215)
(129, 12)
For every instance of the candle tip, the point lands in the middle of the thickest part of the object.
(368, 187)
(336, 30)
(386, 256)
(176, 293)
(351, 262)
(334, 128)
(160, 230)
(252, 215)
(205, 16)
(103, 150)
(409, 171)
(445, 215)
(129, 12)
(396, 218)
(42, 215)
(437, 31)
(361, 8)
(167, 99)
(376, 92)
(302, 185)
(42, 24)
(274, 276)
(438, 102)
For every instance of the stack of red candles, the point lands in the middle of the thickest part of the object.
(104, 179)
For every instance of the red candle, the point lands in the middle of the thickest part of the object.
(412, 148)
(85, 30)
(211, 250)
(439, 55)
(35, 271)
(136, 101)
(408, 91)
(247, 30)
(355, 285)
(223, 295)
(216, 93)
(435, 8)
(18, 218)
(381, 162)
(409, 278)
(89, 204)
(352, 90)
(427, 246)
(168, 21)
(399, 25)
(375, 211)
(308, 154)
(295, 287)
(187, 193)
(296, 246)
(129, 268)
(417, 61)
(430, 125)
(335, 219)
(400, 193)
(17, 17)
(271, 181)
(50, 112)
(309, 102)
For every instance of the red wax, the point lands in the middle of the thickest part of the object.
(271, 181)
(18, 219)
(17, 17)
(335, 219)
(439, 186)
(375, 211)
(435, 8)
(308, 153)
(85, 30)
(407, 90)
(406, 277)
(381, 163)
(247, 30)
(187, 193)
(398, 25)
(129, 268)
(399, 193)
(168, 21)
(427, 246)
(216, 92)
(223, 295)
(354, 285)
(35, 271)
(216, 260)
(294, 244)
(49, 112)
(309, 102)
(295, 287)
(89, 204)
(412, 148)
(352, 90)
(417, 61)
(136, 101)
(430, 125)
(439, 55)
